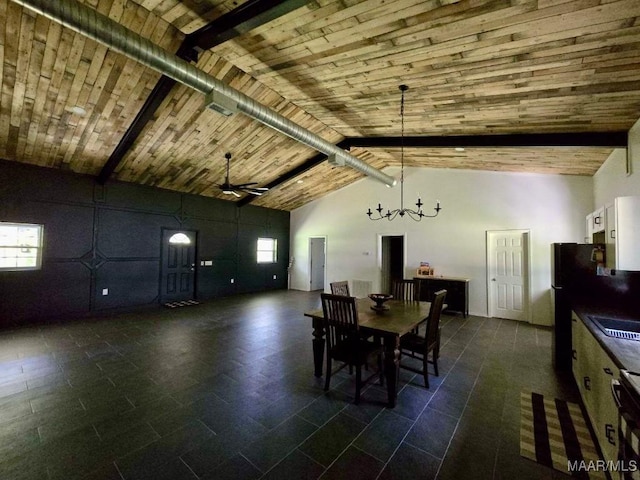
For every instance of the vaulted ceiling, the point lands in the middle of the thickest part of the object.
(546, 86)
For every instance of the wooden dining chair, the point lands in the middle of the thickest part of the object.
(417, 346)
(406, 290)
(344, 343)
(340, 288)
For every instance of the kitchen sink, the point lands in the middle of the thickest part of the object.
(617, 327)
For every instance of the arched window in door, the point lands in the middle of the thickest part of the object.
(179, 239)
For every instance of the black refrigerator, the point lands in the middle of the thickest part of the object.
(571, 264)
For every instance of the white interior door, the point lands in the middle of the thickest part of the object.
(317, 262)
(508, 269)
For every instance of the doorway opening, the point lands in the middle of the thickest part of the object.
(317, 259)
(392, 260)
(508, 274)
(178, 265)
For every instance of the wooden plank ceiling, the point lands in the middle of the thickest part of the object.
(474, 67)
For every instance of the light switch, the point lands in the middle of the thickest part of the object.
(274, 277)
(232, 280)
(105, 291)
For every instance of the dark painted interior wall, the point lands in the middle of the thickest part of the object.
(98, 237)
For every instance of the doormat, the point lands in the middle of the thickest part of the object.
(184, 303)
(553, 432)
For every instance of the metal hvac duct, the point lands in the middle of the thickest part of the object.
(96, 26)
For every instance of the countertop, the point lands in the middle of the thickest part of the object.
(625, 353)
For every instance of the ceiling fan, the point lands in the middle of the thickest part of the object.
(229, 188)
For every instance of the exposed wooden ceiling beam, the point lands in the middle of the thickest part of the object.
(294, 172)
(242, 19)
(250, 15)
(586, 139)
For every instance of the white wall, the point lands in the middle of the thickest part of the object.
(552, 207)
(612, 180)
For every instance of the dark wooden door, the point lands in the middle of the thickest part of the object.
(178, 265)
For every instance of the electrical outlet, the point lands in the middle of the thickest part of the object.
(105, 291)
(274, 277)
(232, 280)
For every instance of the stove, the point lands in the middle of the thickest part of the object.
(627, 396)
(630, 394)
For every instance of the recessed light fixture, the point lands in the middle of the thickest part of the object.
(78, 110)
(459, 149)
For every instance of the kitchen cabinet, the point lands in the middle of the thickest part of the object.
(598, 220)
(610, 235)
(457, 291)
(622, 237)
(593, 370)
(588, 235)
(595, 223)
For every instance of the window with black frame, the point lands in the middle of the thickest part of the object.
(20, 246)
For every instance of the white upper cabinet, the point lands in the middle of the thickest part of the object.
(595, 223)
(610, 237)
(588, 238)
(622, 224)
(598, 220)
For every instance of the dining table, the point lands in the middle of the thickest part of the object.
(390, 324)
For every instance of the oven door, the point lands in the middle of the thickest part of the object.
(627, 397)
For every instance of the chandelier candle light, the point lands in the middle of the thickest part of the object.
(416, 215)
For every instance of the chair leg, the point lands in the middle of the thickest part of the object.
(358, 382)
(381, 369)
(425, 373)
(436, 354)
(327, 375)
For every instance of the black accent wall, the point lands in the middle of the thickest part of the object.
(109, 236)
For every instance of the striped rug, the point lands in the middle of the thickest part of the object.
(553, 432)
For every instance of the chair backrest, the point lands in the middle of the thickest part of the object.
(433, 322)
(340, 318)
(405, 290)
(340, 288)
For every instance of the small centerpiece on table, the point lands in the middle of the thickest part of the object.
(380, 299)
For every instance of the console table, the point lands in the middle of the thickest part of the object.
(457, 291)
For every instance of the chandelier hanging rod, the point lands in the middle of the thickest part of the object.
(415, 215)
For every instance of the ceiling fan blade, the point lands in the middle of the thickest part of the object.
(229, 188)
(230, 191)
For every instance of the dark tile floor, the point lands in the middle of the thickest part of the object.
(225, 390)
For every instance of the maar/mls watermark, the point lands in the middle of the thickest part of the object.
(602, 466)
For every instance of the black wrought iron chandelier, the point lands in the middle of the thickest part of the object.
(418, 214)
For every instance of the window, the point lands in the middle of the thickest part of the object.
(20, 246)
(267, 250)
(180, 239)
